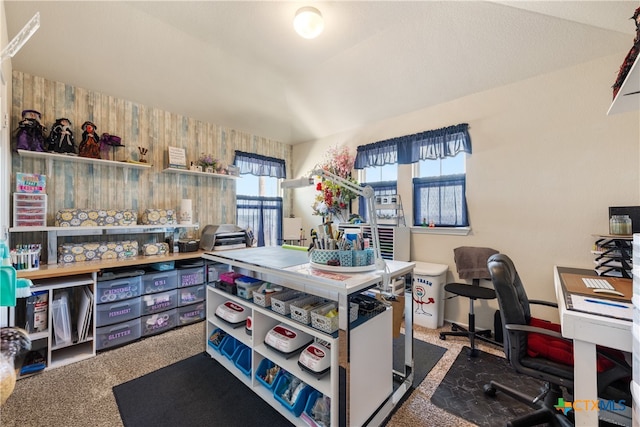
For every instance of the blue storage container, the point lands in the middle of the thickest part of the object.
(261, 373)
(298, 405)
(216, 339)
(243, 359)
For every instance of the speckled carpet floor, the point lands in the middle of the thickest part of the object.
(80, 394)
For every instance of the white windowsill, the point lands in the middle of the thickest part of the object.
(453, 231)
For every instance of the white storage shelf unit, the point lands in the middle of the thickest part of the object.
(368, 394)
(63, 354)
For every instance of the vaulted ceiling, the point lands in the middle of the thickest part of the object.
(240, 64)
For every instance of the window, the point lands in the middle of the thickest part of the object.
(383, 180)
(439, 192)
(439, 189)
(259, 206)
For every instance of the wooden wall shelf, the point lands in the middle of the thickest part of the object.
(78, 159)
(190, 172)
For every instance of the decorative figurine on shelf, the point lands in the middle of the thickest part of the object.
(631, 56)
(61, 137)
(108, 142)
(143, 152)
(89, 147)
(30, 134)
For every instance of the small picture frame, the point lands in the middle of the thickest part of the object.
(177, 158)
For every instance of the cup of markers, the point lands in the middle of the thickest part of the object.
(26, 257)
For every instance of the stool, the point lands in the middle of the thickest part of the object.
(473, 292)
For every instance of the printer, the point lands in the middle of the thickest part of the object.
(224, 237)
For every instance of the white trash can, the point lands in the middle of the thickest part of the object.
(428, 294)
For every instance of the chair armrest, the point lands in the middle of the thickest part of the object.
(527, 328)
(540, 302)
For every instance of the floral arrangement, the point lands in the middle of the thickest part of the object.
(207, 161)
(333, 199)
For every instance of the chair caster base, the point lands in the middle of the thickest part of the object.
(489, 390)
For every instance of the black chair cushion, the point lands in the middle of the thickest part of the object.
(470, 291)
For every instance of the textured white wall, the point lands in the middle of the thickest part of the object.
(547, 163)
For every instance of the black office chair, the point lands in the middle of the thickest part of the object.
(471, 263)
(517, 320)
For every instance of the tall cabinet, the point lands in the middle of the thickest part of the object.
(628, 99)
(359, 383)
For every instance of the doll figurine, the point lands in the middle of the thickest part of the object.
(89, 147)
(30, 134)
(61, 137)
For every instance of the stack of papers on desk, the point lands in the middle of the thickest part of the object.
(602, 307)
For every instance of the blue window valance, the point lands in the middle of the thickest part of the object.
(432, 144)
(259, 165)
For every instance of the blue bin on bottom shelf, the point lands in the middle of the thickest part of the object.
(261, 372)
(220, 341)
(314, 395)
(229, 347)
(243, 359)
(282, 383)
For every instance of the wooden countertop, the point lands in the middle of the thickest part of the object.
(74, 268)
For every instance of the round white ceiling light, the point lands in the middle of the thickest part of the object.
(308, 22)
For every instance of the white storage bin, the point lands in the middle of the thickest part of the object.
(161, 301)
(159, 322)
(118, 334)
(117, 312)
(160, 281)
(118, 289)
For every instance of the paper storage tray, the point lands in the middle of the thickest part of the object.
(117, 312)
(242, 359)
(216, 339)
(118, 289)
(153, 282)
(191, 295)
(118, 334)
(159, 322)
(281, 304)
(190, 276)
(301, 309)
(191, 313)
(267, 373)
(296, 407)
(156, 303)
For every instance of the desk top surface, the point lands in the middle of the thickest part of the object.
(580, 298)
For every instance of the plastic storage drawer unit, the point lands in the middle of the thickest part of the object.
(191, 295)
(117, 312)
(191, 313)
(118, 289)
(161, 301)
(159, 322)
(190, 276)
(118, 334)
(160, 282)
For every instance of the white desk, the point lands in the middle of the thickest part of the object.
(588, 330)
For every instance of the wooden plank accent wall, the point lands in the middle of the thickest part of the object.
(93, 186)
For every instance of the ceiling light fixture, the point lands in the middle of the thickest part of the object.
(308, 22)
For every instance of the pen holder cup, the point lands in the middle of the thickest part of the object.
(360, 258)
(323, 256)
(346, 258)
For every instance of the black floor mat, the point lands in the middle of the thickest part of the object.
(461, 392)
